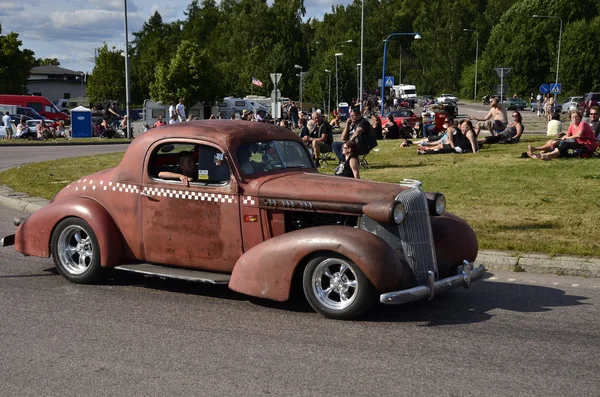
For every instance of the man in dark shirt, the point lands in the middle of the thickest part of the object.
(322, 136)
(357, 129)
(595, 120)
(294, 115)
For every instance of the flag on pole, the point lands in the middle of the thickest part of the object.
(256, 81)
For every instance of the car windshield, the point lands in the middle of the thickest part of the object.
(265, 156)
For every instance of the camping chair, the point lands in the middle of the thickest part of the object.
(325, 158)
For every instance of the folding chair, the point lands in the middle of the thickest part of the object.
(362, 160)
(325, 158)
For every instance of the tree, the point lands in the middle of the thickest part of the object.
(46, 62)
(107, 81)
(190, 75)
(15, 64)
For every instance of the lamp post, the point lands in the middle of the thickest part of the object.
(358, 81)
(337, 95)
(82, 94)
(362, 41)
(559, 39)
(127, 98)
(416, 36)
(476, 58)
(329, 90)
(300, 67)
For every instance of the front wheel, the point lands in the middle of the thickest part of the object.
(336, 287)
(76, 252)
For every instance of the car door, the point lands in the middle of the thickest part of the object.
(195, 226)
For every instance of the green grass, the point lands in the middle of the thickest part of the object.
(514, 204)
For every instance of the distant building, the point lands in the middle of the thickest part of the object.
(56, 83)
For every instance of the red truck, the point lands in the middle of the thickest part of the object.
(40, 104)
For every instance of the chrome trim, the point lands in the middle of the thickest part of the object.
(466, 274)
(413, 183)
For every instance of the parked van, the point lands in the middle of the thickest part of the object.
(153, 109)
(38, 103)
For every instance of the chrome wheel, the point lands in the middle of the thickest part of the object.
(335, 284)
(75, 250)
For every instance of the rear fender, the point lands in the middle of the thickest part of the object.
(34, 234)
(267, 269)
(454, 241)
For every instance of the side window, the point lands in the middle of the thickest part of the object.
(35, 106)
(204, 164)
(48, 109)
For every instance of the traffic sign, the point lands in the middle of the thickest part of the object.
(544, 88)
(275, 77)
(502, 72)
(275, 94)
(555, 88)
(389, 81)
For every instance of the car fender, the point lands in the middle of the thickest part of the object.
(454, 240)
(267, 269)
(34, 234)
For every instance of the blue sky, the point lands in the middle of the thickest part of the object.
(71, 30)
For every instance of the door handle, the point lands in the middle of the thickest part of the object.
(146, 194)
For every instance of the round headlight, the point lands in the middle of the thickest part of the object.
(440, 204)
(399, 213)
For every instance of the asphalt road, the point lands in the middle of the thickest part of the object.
(509, 335)
(11, 156)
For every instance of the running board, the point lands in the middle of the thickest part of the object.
(176, 273)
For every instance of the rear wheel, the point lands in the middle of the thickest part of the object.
(336, 287)
(76, 252)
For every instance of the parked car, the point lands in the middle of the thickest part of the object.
(400, 115)
(256, 216)
(29, 112)
(590, 99)
(514, 104)
(571, 104)
(425, 100)
(447, 98)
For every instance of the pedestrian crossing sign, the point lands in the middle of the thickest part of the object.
(555, 88)
(389, 81)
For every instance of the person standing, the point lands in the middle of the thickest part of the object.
(173, 113)
(293, 112)
(7, 125)
(180, 111)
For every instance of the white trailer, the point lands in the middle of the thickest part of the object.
(153, 109)
(11, 109)
(405, 91)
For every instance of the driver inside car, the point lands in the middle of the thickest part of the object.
(186, 170)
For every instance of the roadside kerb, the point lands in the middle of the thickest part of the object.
(493, 260)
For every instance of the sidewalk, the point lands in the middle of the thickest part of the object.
(493, 260)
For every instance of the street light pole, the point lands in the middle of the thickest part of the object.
(329, 90)
(417, 37)
(400, 71)
(358, 81)
(559, 40)
(300, 67)
(476, 58)
(362, 40)
(337, 94)
(127, 97)
(82, 95)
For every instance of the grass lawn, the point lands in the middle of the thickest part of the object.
(62, 141)
(513, 204)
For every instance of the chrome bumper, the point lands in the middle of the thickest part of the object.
(466, 274)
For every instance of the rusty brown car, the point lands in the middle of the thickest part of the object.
(241, 203)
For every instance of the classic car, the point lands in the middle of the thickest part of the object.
(514, 104)
(256, 216)
(400, 115)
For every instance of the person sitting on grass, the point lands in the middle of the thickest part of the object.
(350, 167)
(391, 129)
(23, 131)
(337, 121)
(159, 122)
(554, 127)
(511, 134)
(579, 138)
(495, 120)
(377, 128)
(463, 141)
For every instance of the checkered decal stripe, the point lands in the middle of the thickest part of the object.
(84, 184)
(249, 201)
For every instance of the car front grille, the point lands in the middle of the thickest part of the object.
(416, 235)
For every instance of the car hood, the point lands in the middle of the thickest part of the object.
(328, 188)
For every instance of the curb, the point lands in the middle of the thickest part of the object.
(493, 260)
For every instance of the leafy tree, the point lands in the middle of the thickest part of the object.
(46, 62)
(190, 75)
(579, 64)
(15, 64)
(107, 81)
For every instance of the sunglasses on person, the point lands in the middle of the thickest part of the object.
(593, 114)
